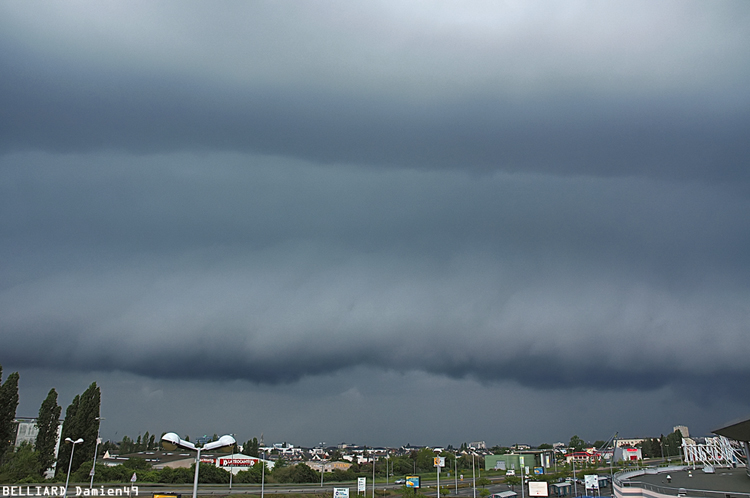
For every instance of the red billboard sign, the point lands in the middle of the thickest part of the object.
(237, 462)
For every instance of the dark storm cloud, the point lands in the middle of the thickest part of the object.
(560, 134)
(676, 115)
(305, 202)
(258, 262)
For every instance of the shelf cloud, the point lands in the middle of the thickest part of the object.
(477, 198)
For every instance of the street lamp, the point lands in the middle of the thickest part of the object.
(455, 471)
(231, 472)
(473, 474)
(96, 447)
(70, 464)
(263, 471)
(171, 441)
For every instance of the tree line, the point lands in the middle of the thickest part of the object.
(666, 447)
(31, 463)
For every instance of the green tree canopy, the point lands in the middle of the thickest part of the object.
(81, 421)
(251, 447)
(211, 474)
(47, 423)
(69, 430)
(252, 475)
(8, 405)
(673, 444)
(20, 466)
(297, 473)
(576, 443)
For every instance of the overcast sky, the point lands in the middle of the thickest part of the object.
(378, 222)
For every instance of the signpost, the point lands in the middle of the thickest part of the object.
(340, 492)
(592, 482)
(439, 462)
(412, 482)
(538, 488)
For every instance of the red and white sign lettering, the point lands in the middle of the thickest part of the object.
(237, 462)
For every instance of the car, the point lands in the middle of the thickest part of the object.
(399, 481)
(510, 472)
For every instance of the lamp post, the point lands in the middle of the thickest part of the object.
(171, 441)
(437, 464)
(262, 471)
(96, 447)
(231, 472)
(70, 464)
(322, 461)
(473, 474)
(455, 471)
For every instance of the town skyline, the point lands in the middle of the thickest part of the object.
(381, 221)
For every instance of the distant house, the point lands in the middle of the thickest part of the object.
(329, 466)
(581, 457)
(628, 454)
(631, 441)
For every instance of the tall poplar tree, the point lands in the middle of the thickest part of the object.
(81, 421)
(8, 405)
(47, 422)
(88, 425)
(69, 430)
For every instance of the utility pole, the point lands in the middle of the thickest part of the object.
(96, 447)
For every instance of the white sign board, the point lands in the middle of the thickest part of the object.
(340, 492)
(538, 488)
(592, 481)
(439, 461)
(361, 484)
(237, 462)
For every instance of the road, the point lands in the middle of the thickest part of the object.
(428, 488)
(148, 489)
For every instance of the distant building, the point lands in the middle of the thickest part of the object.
(683, 430)
(581, 457)
(740, 432)
(630, 442)
(510, 461)
(329, 466)
(479, 445)
(628, 454)
(26, 431)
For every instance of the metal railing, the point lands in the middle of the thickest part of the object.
(621, 480)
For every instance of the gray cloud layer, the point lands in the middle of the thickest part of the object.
(658, 91)
(327, 268)
(553, 196)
